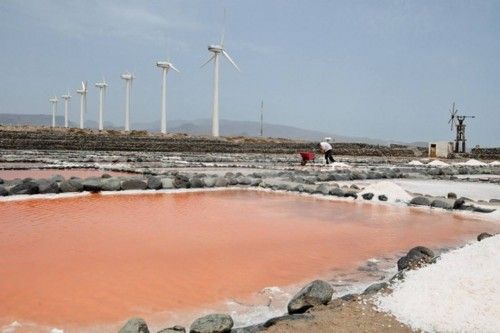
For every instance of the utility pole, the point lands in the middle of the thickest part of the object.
(262, 118)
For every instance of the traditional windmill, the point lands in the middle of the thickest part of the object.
(458, 121)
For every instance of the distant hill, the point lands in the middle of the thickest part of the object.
(203, 127)
(43, 120)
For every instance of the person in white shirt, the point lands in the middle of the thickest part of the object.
(327, 149)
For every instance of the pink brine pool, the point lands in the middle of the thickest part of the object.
(82, 263)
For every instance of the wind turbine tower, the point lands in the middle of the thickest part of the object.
(66, 99)
(165, 66)
(102, 89)
(54, 101)
(128, 77)
(217, 50)
(83, 103)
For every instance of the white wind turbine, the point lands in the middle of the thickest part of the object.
(54, 101)
(66, 99)
(102, 89)
(128, 77)
(165, 66)
(83, 103)
(217, 50)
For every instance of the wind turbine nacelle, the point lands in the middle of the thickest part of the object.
(127, 76)
(101, 85)
(163, 64)
(215, 48)
(66, 96)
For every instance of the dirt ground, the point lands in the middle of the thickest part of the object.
(340, 316)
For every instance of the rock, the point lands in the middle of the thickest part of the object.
(459, 203)
(92, 185)
(28, 187)
(350, 194)
(491, 200)
(175, 329)
(256, 181)
(221, 182)
(57, 178)
(483, 235)
(383, 197)
(349, 297)
(244, 180)
(154, 183)
(443, 203)
(275, 320)
(315, 293)
(134, 184)
(323, 189)
(111, 184)
(167, 183)
(2, 181)
(367, 196)
(213, 323)
(181, 181)
(135, 325)
(71, 185)
(375, 288)
(354, 187)
(452, 195)
(482, 209)
(416, 258)
(48, 187)
(337, 192)
(209, 181)
(3, 191)
(105, 175)
(420, 201)
(196, 182)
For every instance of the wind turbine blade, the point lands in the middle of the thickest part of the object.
(175, 69)
(223, 29)
(230, 60)
(207, 61)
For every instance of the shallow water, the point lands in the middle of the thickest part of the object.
(79, 263)
(67, 173)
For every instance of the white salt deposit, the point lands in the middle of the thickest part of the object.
(495, 163)
(391, 190)
(415, 162)
(473, 162)
(438, 163)
(340, 165)
(460, 293)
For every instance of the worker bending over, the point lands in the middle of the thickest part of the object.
(327, 149)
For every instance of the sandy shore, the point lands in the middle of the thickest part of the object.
(357, 315)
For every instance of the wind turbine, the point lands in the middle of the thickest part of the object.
(165, 66)
(102, 89)
(66, 98)
(217, 50)
(128, 77)
(83, 103)
(54, 101)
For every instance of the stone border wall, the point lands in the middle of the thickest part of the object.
(31, 138)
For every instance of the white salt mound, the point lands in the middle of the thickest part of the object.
(393, 191)
(438, 163)
(495, 163)
(473, 162)
(415, 162)
(459, 293)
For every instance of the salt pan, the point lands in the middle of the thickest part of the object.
(459, 293)
(415, 162)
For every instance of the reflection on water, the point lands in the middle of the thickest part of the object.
(97, 260)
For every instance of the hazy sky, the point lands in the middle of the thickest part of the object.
(382, 69)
